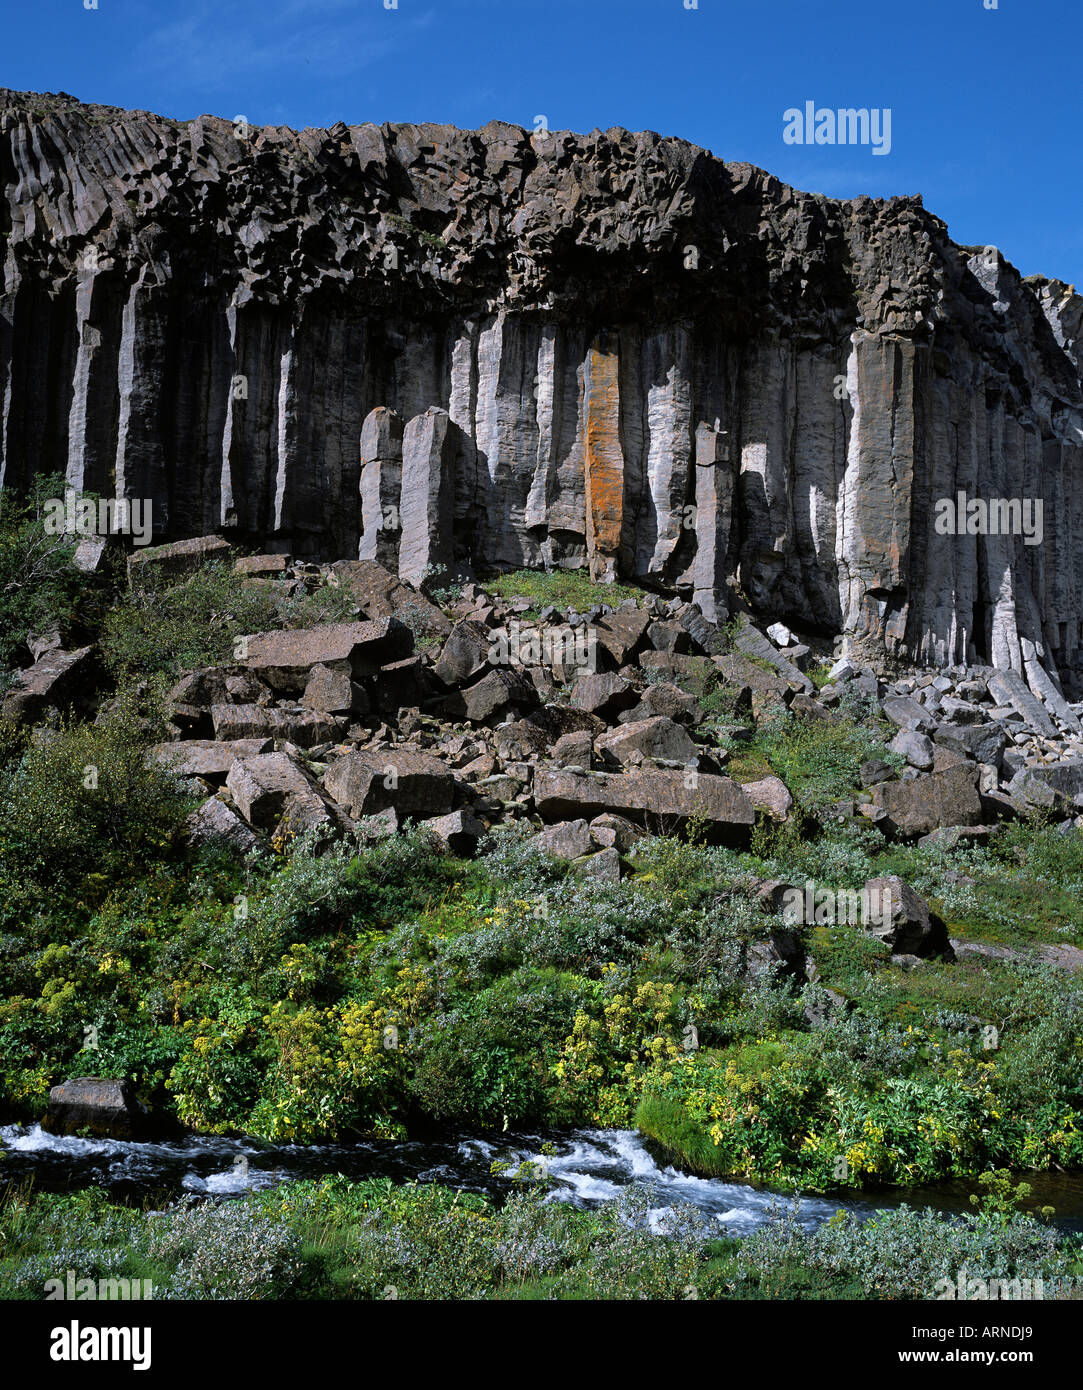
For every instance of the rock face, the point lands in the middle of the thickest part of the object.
(612, 351)
(103, 1108)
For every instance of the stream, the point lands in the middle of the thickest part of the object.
(589, 1167)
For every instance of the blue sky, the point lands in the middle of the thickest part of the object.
(985, 103)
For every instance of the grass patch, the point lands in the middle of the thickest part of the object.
(562, 589)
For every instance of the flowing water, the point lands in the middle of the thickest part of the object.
(589, 1167)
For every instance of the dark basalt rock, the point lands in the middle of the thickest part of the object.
(610, 350)
(104, 1108)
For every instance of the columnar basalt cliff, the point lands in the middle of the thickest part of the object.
(624, 353)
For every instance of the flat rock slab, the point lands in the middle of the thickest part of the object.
(644, 797)
(284, 659)
(261, 566)
(199, 757)
(177, 559)
(304, 727)
(53, 680)
(1063, 956)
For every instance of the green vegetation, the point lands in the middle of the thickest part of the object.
(40, 589)
(335, 1239)
(562, 588)
(169, 627)
(258, 997)
(350, 988)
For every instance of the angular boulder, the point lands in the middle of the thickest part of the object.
(283, 660)
(197, 757)
(273, 792)
(661, 799)
(465, 653)
(770, 794)
(985, 743)
(621, 633)
(458, 833)
(496, 692)
(333, 690)
(54, 679)
(903, 920)
(603, 694)
(104, 1108)
(930, 801)
(657, 737)
(569, 839)
(381, 594)
(216, 823)
(413, 783)
(916, 748)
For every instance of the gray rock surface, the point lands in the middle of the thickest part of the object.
(611, 350)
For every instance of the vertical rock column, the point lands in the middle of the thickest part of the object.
(873, 540)
(603, 461)
(141, 372)
(428, 495)
(714, 514)
(92, 441)
(381, 487)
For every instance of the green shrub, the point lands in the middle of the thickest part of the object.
(84, 805)
(906, 1253)
(40, 588)
(168, 627)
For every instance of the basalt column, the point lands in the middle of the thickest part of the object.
(381, 487)
(604, 458)
(427, 508)
(714, 517)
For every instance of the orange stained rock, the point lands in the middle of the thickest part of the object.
(604, 460)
